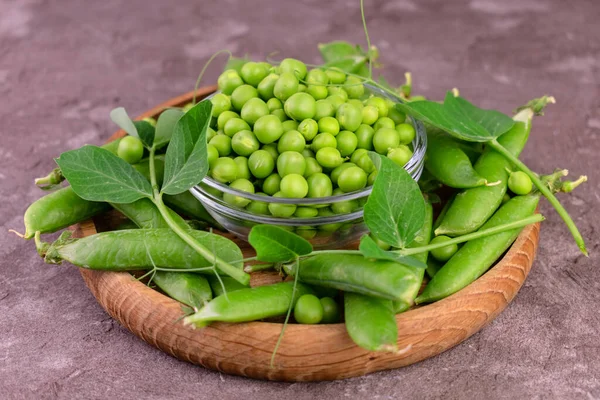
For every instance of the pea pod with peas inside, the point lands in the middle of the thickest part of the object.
(370, 322)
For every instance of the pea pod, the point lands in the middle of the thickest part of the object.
(249, 304)
(59, 210)
(476, 256)
(231, 285)
(370, 322)
(449, 164)
(140, 249)
(472, 207)
(433, 266)
(185, 287)
(143, 213)
(354, 273)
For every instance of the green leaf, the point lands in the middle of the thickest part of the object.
(236, 63)
(119, 116)
(186, 162)
(369, 249)
(165, 125)
(395, 210)
(337, 50)
(145, 132)
(95, 174)
(460, 118)
(274, 244)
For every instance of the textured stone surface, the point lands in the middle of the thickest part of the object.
(64, 65)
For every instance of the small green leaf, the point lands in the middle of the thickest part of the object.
(186, 163)
(337, 50)
(395, 210)
(145, 132)
(369, 249)
(274, 244)
(236, 63)
(165, 125)
(119, 116)
(95, 174)
(460, 118)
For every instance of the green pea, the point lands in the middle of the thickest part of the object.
(365, 163)
(300, 106)
(212, 154)
(380, 104)
(253, 110)
(336, 100)
(286, 86)
(520, 183)
(272, 184)
(346, 142)
(331, 311)
(324, 108)
(319, 185)
(329, 125)
(308, 128)
(364, 137)
(317, 77)
(241, 95)
(291, 141)
(289, 125)
(308, 310)
(224, 117)
(349, 116)
(351, 179)
(274, 104)
(306, 232)
(354, 87)
(253, 73)
(357, 154)
(290, 162)
(244, 143)
(312, 167)
(281, 210)
(238, 201)
(228, 81)
(258, 207)
(384, 122)
(268, 129)
(397, 116)
(234, 125)
(187, 107)
(337, 91)
(294, 186)
(380, 243)
(385, 139)
(243, 169)
(224, 170)
(308, 153)
(266, 86)
(335, 75)
(210, 133)
(331, 227)
(323, 140)
(293, 66)
(261, 164)
(400, 155)
(317, 91)
(329, 157)
(220, 103)
(223, 144)
(271, 148)
(306, 212)
(371, 178)
(335, 174)
(370, 114)
(343, 207)
(280, 114)
(443, 253)
(406, 133)
(130, 149)
(301, 87)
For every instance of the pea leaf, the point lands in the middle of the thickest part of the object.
(140, 129)
(369, 249)
(165, 125)
(460, 118)
(95, 174)
(274, 244)
(345, 56)
(145, 132)
(186, 162)
(395, 210)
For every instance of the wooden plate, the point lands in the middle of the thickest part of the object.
(307, 353)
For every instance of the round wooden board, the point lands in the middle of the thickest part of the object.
(307, 352)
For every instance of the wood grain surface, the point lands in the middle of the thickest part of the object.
(307, 352)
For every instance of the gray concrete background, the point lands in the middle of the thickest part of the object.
(65, 64)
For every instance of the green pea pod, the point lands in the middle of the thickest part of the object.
(186, 287)
(433, 266)
(472, 207)
(59, 210)
(140, 249)
(422, 239)
(354, 273)
(231, 285)
(249, 304)
(476, 256)
(370, 322)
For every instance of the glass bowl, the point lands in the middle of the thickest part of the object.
(324, 232)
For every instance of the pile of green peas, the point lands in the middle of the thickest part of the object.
(286, 131)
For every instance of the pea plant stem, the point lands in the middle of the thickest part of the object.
(545, 191)
(237, 274)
